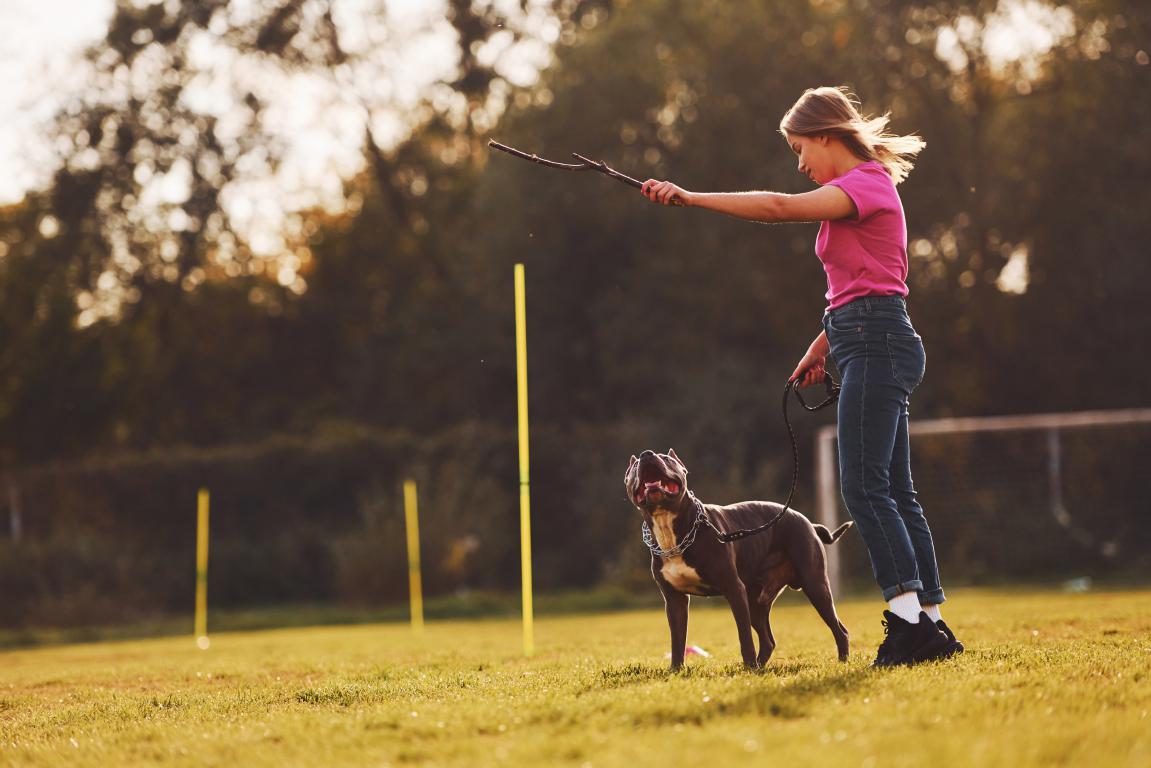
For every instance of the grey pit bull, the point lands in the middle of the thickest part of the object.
(750, 572)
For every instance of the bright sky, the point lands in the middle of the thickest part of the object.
(37, 38)
(323, 131)
(316, 119)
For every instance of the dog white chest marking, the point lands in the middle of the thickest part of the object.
(674, 570)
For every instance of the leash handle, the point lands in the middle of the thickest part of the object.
(829, 384)
(832, 387)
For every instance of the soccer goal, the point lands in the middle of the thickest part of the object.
(1063, 497)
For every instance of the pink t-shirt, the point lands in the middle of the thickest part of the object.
(865, 255)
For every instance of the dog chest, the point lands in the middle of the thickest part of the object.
(683, 577)
(662, 524)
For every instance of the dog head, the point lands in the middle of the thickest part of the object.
(656, 480)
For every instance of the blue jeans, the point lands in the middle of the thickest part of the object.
(881, 360)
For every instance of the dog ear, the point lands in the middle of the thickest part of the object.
(678, 460)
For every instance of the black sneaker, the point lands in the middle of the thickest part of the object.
(883, 654)
(908, 643)
(956, 646)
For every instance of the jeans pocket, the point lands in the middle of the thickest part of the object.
(845, 323)
(908, 359)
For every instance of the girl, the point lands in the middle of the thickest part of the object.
(862, 243)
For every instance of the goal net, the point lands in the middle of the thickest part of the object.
(1050, 498)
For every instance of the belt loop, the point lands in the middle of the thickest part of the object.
(867, 304)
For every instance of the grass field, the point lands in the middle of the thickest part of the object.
(1048, 679)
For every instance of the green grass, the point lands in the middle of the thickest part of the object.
(470, 605)
(1048, 679)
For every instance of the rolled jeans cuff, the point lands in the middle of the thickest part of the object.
(906, 586)
(932, 597)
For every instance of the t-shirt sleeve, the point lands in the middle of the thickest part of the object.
(869, 189)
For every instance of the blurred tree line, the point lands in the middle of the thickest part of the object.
(148, 348)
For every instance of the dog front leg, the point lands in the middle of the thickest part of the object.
(761, 623)
(675, 603)
(737, 598)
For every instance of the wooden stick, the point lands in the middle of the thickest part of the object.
(584, 164)
(493, 144)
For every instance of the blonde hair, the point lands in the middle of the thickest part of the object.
(835, 112)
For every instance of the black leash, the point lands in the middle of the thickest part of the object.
(701, 515)
(832, 387)
(792, 386)
(726, 537)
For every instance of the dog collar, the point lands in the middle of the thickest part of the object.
(688, 540)
(701, 517)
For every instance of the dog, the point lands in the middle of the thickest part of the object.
(750, 573)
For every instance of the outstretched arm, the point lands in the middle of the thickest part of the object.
(826, 203)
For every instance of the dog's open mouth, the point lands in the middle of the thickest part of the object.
(654, 490)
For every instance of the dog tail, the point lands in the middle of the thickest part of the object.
(828, 537)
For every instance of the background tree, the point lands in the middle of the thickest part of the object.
(147, 308)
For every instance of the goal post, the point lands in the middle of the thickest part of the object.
(1041, 437)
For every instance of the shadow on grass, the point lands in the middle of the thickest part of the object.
(790, 699)
(789, 690)
(624, 675)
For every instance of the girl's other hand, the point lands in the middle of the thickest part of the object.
(810, 370)
(666, 193)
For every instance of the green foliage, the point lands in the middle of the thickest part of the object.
(648, 327)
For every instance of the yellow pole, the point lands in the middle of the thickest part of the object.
(202, 569)
(525, 496)
(415, 583)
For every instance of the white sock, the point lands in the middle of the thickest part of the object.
(932, 612)
(906, 607)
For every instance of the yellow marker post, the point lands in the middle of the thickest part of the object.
(525, 496)
(202, 569)
(415, 582)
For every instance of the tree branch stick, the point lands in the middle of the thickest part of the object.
(584, 164)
